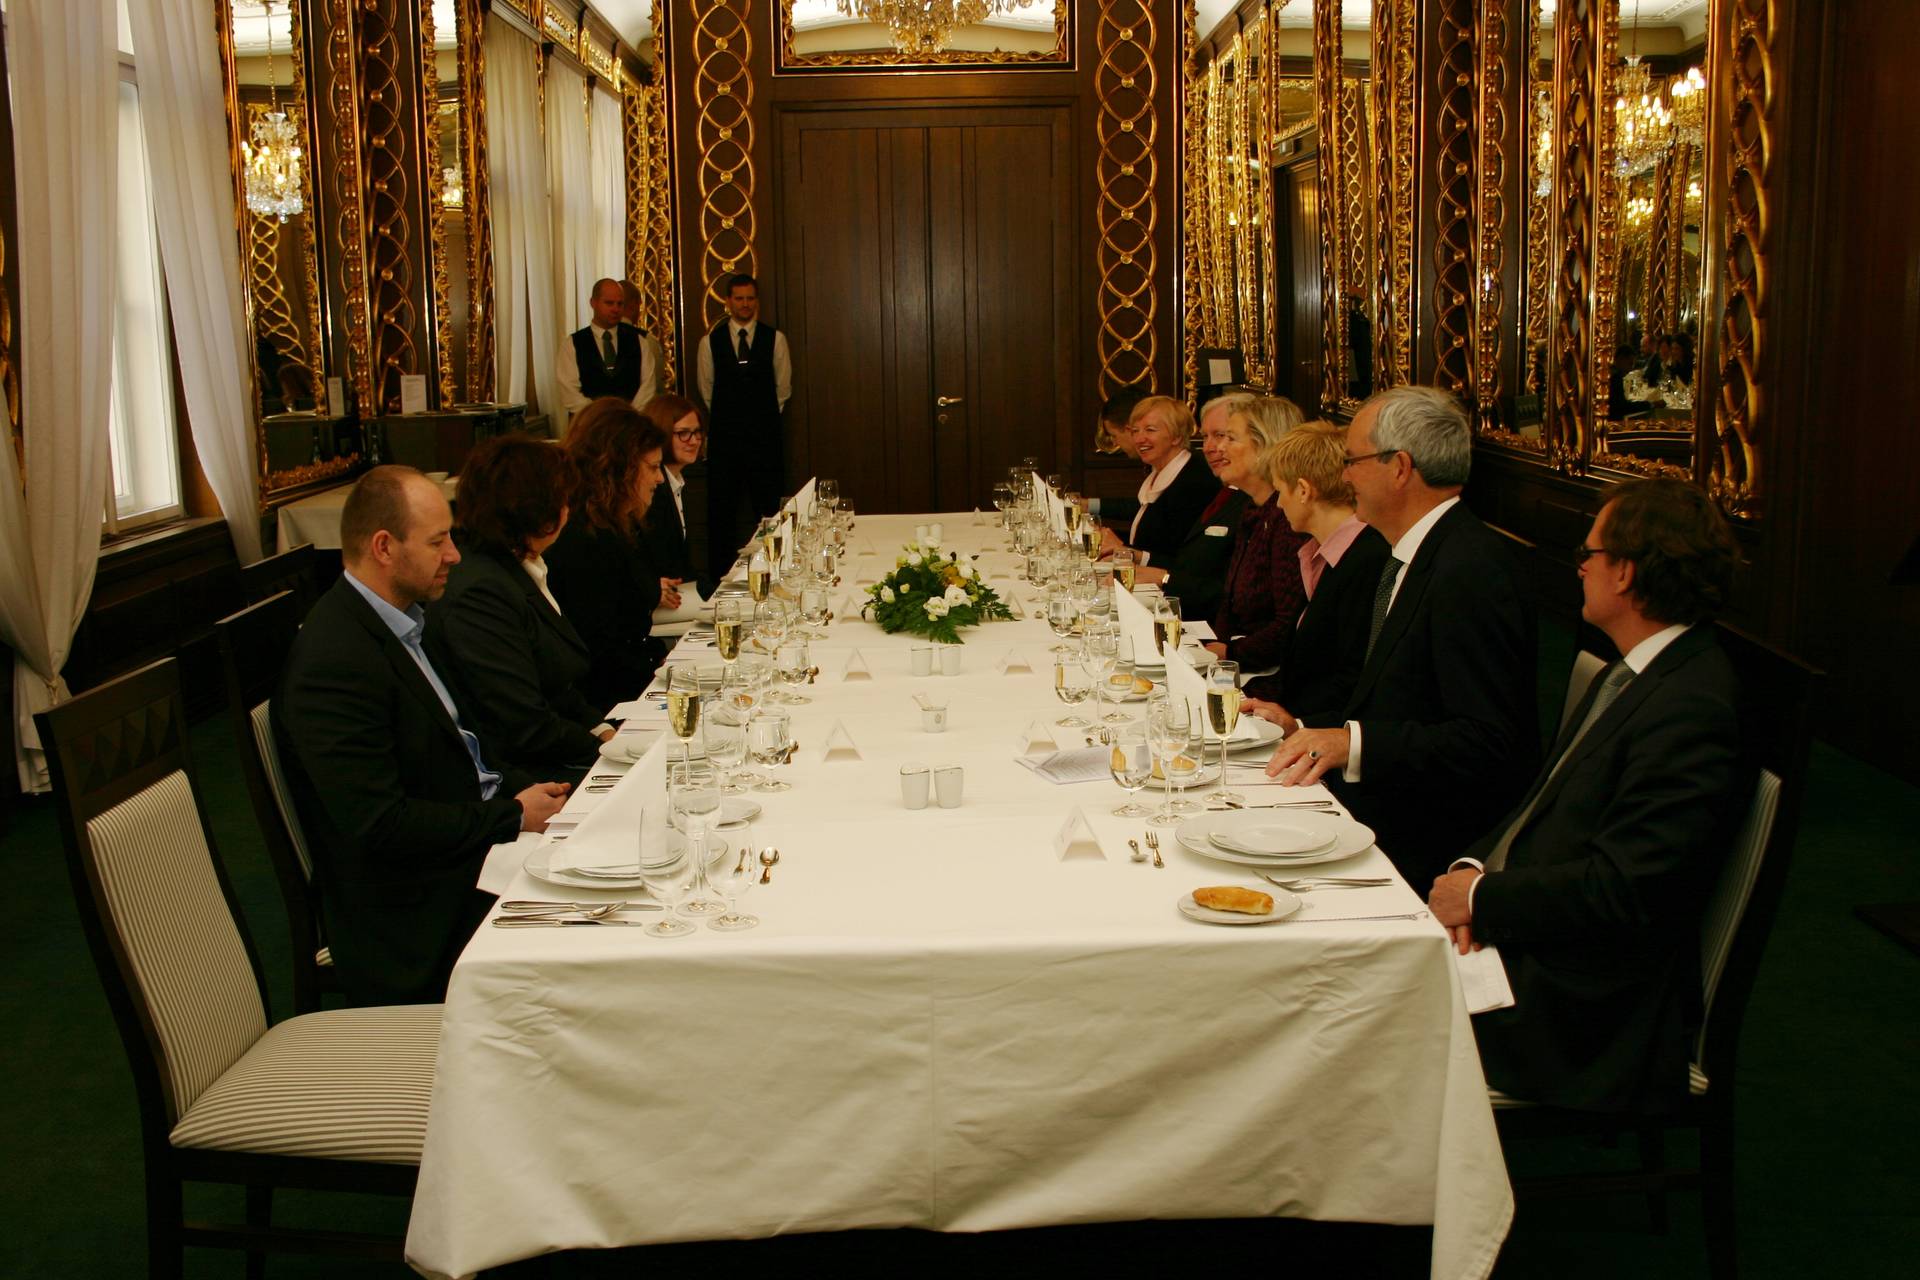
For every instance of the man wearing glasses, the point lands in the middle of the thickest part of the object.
(1594, 887)
(1441, 735)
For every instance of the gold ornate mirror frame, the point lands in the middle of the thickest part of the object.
(791, 58)
(466, 312)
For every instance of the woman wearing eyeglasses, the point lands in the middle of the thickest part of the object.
(679, 420)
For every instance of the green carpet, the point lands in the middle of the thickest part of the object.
(1829, 1098)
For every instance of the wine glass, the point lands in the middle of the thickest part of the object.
(729, 629)
(813, 607)
(1170, 729)
(827, 493)
(1123, 568)
(694, 794)
(733, 874)
(1062, 613)
(1223, 713)
(770, 742)
(1098, 653)
(771, 620)
(1166, 625)
(1071, 687)
(1085, 590)
(793, 662)
(726, 730)
(669, 879)
(683, 705)
(1131, 763)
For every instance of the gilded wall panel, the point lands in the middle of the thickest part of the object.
(1127, 129)
(723, 90)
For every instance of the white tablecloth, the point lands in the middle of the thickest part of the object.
(939, 1023)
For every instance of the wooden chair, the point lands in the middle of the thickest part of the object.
(254, 644)
(1778, 692)
(330, 1101)
(296, 569)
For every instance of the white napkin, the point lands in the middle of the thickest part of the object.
(839, 744)
(855, 667)
(693, 607)
(630, 817)
(1185, 683)
(1036, 738)
(1076, 839)
(1136, 626)
(1483, 980)
(804, 499)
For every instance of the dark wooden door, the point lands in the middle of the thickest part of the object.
(926, 257)
(1298, 273)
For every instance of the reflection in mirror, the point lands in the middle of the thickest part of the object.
(448, 183)
(1343, 50)
(1536, 267)
(269, 121)
(860, 34)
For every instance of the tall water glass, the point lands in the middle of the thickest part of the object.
(694, 793)
(732, 874)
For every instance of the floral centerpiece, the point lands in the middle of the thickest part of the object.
(932, 593)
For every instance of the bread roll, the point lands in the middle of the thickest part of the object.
(1231, 897)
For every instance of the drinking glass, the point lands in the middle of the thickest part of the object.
(729, 628)
(827, 493)
(1071, 687)
(1098, 653)
(694, 793)
(1131, 763)
(1223, 713)
(1123, 568)
(1170, 728)
(734, 873)
(769, 740)
(683, 705)
(793, 660)
(1085, 589)
(771, 620)
(759, 576)
(669, 880)
(726, 730)
(1166, 625)
(813, 607)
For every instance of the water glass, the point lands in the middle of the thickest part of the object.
(1131, 763)
(769, 741)
(1071, 686)
(794, 662)
(669, 879)
(734, 873)
(694, 793)
(726, 729)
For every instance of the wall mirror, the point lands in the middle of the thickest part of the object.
(264, 58)
(866, 35)
(457, 188)
(1349, 150)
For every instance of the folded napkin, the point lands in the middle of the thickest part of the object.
(1136, 627)
(628, 819)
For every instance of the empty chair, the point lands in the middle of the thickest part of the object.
(296, 569)
(334, 1100)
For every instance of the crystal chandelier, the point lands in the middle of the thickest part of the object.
(272, 152)
(921, 28)
(1688, 94)
(1643, 126)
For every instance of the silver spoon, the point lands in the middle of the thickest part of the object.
(768, 857)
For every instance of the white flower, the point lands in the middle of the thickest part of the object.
(955, 595)
(966, 569)
(937, 608)
(886, 595)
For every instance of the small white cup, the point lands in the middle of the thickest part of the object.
(937, 532)
(920, 659)
(933, 719)
(913, 785)
(949, 659)
(948, 781)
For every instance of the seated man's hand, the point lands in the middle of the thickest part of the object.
(669, 593)
(605, 733)
(1452, 905)
(1110, 542)
(1305, 754)
(1147, 573)
(1271, 712)
(1217, 649)
(540, 802)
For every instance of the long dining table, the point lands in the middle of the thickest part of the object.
(943, 1023)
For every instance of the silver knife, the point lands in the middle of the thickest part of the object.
(555, 922)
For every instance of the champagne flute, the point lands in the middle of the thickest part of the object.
(759, 576)
(733, 874)
(695, 797)
(1223, 713)
(729, 629)
(683, 706)
(1131, 763)
(1166, 625)
(1071, 687)
(1123, 568)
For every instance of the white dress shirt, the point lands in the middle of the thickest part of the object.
(1404, 551)
(566, 370)
(1151, 488)
(782, 362)
(676, 485)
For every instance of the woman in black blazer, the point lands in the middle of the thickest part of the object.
(1176, 490)
(498, 635)
(676, 519)
(1340, 569)
(604, 571)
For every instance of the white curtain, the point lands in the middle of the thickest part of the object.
(607, 152)
(66, 117)
(184, 119)
(570, 182)
(525, 335)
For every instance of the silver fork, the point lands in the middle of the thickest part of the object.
(1306, 884)
(1153, 843)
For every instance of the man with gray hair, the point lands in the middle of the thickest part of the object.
(1441, 736)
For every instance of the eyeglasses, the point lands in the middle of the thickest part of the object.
(1347, 460)
(694, 434)
(1584, 553)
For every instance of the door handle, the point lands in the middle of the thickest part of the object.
(946, 401)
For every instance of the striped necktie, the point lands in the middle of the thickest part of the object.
(1382, 601)
(1612, 681)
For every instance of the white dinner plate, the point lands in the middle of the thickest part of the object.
(732, 809)
(1195, 835)
(1277, 833)
(538, 863)
(1284, 905)
(1264, 734)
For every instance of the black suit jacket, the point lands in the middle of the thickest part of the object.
(665, 536)
(1597, 912)
(1325, 651)
(1164, 525)
(1199, 564)
(609, 586)
(515, 666)
(1449, 732)
(387, 794)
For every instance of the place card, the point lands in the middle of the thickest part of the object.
(1014, 662)
(1075, 839)
(839, 744)
(855, 667)
(413, 393)
(1483, 980)
(1036, 739)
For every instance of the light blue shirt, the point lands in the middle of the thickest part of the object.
(408, 627)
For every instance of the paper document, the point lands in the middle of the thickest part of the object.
(693, 607)
(1076, 764)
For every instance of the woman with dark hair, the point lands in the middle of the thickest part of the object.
(678, 419)
(603, 572)
(498, 634)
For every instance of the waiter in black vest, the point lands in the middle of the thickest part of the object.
(609, 357)
(745, 377)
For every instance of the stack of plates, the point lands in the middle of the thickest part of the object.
(539, 866)
(1274, 838)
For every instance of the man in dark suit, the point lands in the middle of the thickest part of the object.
(1440, 735)
(745, 375)
(1593, 888)
(610, 355)
(397, 799)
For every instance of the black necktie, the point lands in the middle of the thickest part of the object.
(1612, 681)
(1382, 600)
(606, 349)
(744, 353)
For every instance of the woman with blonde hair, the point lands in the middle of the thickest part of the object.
(1178, 486)
(1340, 561)
(1262, 595)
